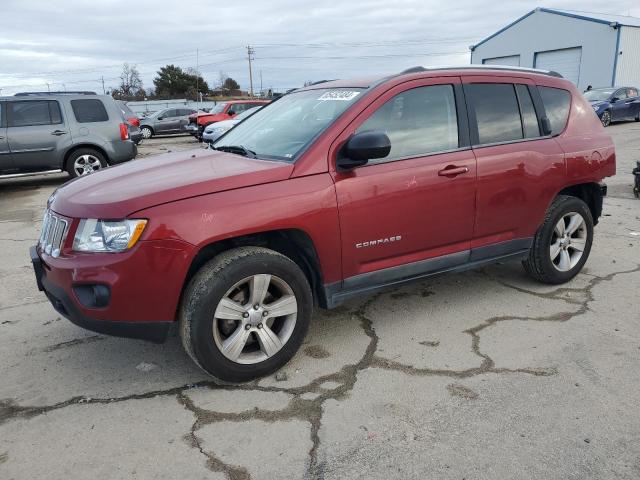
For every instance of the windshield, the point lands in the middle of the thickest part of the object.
(283, 128)
(597, 95)
(219, 108)
(247, 113)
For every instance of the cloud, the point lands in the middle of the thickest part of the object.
(75, 44)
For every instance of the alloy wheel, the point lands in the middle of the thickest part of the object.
(255, 319)
(146, 133)
(568, 241)
(86, 164)
(606, 118)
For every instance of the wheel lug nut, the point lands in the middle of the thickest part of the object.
(247, 327)
(256, 306)
(245, 314)
(265, 313)
(259, 325)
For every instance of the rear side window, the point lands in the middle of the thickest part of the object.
(496, 111)
(556, 104)
(418, 122)
(89, 111)
(34, 112)
(530, 126)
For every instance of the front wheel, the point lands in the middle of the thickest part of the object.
(563, 242)
(245, 313)
(147, 133)
(606, 118)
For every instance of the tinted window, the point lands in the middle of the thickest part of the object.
(528, 112)
(556, 104)
(168, 114)
(632, 92)
(34, 112)
(497, 112)
(418, 122)
(88, 111)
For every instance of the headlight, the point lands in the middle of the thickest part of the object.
(596, 107)
(107, 235)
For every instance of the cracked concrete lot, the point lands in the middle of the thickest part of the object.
(480, 375)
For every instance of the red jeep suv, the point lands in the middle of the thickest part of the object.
(335, 190)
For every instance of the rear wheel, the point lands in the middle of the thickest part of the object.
(245, 313)
(563, 242)
(85, 161)
(606, 118)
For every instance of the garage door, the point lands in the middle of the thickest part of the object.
(566, 62)
(513, 61)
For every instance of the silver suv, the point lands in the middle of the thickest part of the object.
(79, 132)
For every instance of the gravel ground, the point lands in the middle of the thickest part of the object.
(480, 375)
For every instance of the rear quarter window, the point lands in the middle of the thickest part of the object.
(556, 105)
(89, 111)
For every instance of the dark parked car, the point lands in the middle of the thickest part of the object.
(335, 190)
(614, 104)
(166, 121)
(78, 132)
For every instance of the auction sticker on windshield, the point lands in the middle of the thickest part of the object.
(340, 95)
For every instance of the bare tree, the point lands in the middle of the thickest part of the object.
(130, 82)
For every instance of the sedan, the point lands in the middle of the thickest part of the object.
(614, 103)
(168, 120)
(216, 130)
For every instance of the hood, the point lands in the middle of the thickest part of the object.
(223, 123)
(598, 103)
(117, 192)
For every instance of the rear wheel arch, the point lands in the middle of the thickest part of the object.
(295, 244)
(590, 193)
(81, 146)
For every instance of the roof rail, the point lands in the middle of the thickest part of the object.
(551, 73)
(79, 92)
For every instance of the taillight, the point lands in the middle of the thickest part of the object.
(134, 121)
(124, 131)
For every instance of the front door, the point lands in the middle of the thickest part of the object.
(413, 211)
(620, 108)
(37, 134)
(168, 122)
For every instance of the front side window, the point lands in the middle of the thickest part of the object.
(285, 127)
(89, 111)
(34, 112)
(496, 110)
(418, 122)
(632, 92)
(621, 94)
(556, 105)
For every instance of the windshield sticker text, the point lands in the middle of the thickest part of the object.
(339, 95)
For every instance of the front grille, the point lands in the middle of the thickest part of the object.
(54, 231)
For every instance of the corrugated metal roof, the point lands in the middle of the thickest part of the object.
(605, 17)
(588, 16)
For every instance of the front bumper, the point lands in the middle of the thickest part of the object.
(66, 302)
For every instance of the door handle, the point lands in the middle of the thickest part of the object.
(57, 133)
(452, 171)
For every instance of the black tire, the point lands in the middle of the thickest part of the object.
(147, 132)
(539, 264)
(606, 118)
(88, 153)
(207, 288)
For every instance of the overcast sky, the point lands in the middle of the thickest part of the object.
(72, 43)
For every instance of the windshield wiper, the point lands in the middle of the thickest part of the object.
(237, 149)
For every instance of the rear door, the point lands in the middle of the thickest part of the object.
(37, 134)
(519, 169)
(6, 163)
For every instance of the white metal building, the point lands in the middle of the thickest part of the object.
(587, 48)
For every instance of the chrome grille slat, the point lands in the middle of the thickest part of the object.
(54, 231)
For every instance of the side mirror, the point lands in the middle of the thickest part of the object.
(362, 147)
(614, 99)
(231, 112)
(160, 118)
(545, 126)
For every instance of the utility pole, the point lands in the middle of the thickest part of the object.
(104, 92)
(260, 82)
(250, 52)
(197, 82)
(48, 89)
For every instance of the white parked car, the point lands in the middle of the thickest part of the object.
(215, 130)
